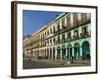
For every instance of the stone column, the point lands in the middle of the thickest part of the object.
(80, 53)
(55, 53)
(52, 54)
(60, 53)
(73, 51)
(49, 53)
(66, 55)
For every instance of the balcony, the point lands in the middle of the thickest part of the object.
(35, 46)
(75, 37)
(80, 23)
(69, 39)
(60, 31)
(57, 42)
(63, 40)
(57, 32)
(84, 35)
(63, 29)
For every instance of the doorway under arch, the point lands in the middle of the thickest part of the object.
(76, 51)
(58, 52)
(50, 53)
(69, 51)
(63, 52)
(85, 50)
(54, 53)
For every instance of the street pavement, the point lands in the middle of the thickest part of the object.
(33, 64)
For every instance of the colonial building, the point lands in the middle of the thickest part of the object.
(67, 37)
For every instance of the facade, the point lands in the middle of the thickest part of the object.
(67, 37)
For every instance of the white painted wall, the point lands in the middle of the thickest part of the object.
(5, 41)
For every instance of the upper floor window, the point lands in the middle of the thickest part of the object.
(63, 23)
(75, 19)
(75, 33)
(83, 17)
(84, 30)
(58, 27)
(51, 30)
(68, 21)
(48, 32)
(45, 43)
(45, 33)
(69, 34)
(63, 36)
(50, 40)
(58, 38)
(54, 40)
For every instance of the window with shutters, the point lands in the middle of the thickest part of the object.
(75, 19)
(68, 22)
(83, 17)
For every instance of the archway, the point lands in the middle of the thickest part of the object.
(69, 51)
(76, 51)
(50, 53)
(58, 52)
(85, 50)
(63, 52)
(54, 53)
(47, 52)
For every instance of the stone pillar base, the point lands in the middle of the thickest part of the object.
(80, 58)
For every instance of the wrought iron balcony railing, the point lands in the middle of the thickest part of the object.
(80, 22)
(65, 28)
(63, 40)
(57, 42)
(69, 39)
(75, 37)
(84, 35)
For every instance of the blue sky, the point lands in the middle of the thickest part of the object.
(33, 20)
